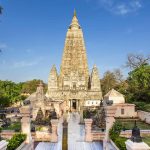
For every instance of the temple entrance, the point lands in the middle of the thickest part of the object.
(74, 104)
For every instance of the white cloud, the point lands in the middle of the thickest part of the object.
(21, 64)
(120, 7)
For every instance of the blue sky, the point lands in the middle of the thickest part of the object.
(32, 34)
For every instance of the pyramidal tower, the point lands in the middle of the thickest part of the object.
(74, 59)
(74, 85)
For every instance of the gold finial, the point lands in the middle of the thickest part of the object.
(75, 14)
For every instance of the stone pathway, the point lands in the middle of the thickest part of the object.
(76, 134)
(52, 146)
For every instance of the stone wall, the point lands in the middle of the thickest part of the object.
(144, 116)
(125, 111)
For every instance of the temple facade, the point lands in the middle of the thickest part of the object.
(74, 86)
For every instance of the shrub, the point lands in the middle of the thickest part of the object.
(120, 143)
(16, 141)
(114, 135)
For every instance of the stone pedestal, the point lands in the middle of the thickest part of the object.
(26, 122)
(3, 145)
(54, 135)
(88, 130)
(110, 114)
(136, 146)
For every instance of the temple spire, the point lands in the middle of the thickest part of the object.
(75, 14)
(74, 23)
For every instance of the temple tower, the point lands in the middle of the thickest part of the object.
(74, 60)
(74, 86)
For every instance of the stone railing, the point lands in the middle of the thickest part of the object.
(7, 134)
(128, 133)
(42, 136)
(144, 116)
(97, 135)
(92, 135)
(114, 145)
(36, 136)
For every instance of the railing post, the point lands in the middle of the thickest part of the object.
(54, 135)
(88, 130)
(26, 123)
(110, 114)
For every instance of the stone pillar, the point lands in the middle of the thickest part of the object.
(81, 115)
(26, 122)
(88, 130)
(81, 111)
(3, 145)
(110, 114)
(136, 146)
(54, 135)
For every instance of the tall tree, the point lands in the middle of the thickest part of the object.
(108, 82)
(139, 84)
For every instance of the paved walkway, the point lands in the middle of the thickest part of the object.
(76, 134)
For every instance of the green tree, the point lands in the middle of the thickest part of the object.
(108, 82)
(139, 84)
(31, 86)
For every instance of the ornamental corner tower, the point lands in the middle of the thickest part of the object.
(74, 86)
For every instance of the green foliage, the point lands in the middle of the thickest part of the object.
(14, 126)
(16, 141)
(129, 124)
(114, 135)
(39, 128)
(115, 130)
(30, 86)
(147, 140)
(108, 82)
(139, 86)
(120, 143)
(10, 92)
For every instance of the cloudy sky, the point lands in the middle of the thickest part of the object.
(32, 34)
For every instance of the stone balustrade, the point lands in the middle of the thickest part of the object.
(42, 136)
(128, 133)
(98, 135)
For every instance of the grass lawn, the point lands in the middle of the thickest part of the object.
(14, 126)
(147, 140)
(129, 124)
(147, 107)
